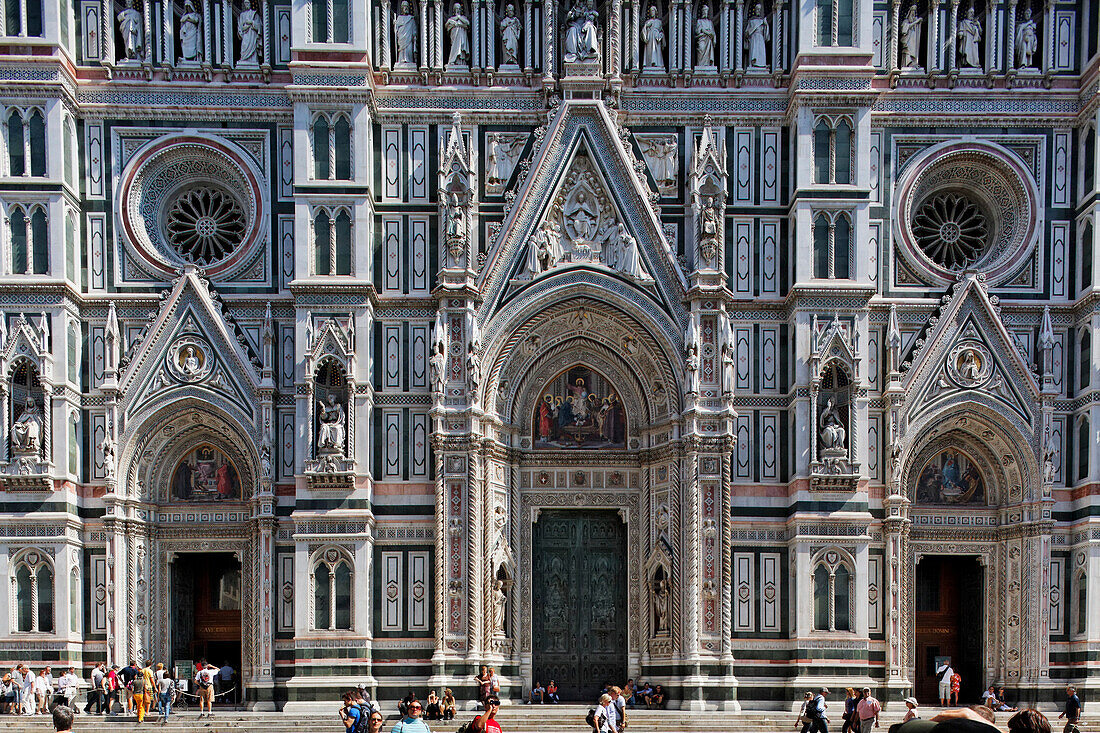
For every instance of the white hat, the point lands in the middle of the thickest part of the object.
(911, 701)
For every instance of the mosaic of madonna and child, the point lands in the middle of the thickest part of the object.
(580, 409)
(205, 474)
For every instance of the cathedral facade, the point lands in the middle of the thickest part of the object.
(739, 346)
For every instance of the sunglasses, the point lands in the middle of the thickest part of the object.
(414, 707)
(495, 703)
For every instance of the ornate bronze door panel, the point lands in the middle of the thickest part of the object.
(579, 601)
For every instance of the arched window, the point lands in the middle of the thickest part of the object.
(832, 581)
(73, 346)
(825, 22)
(1089, 159)
(835, 20)
(36, 126)
(833, 151)
(322, 246)
(1084, 447)
(1084, 358)
(1086, 254)
(832, 238)
(76, 604)
(341, 132)
(32, 591)
(844, 22)
(822, 145)
(16, 150)
(1081, 601)
(331, 21)
(71, 173)
(17, 223)
(343, 243)
(321, 151)
(70, 248)
(332, 581)
(74, 443)
(39, 242)
(843, 153)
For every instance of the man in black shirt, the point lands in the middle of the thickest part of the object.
(128, 673)
(1072, 713)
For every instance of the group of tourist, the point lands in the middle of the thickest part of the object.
(360, 714)
(25, 692)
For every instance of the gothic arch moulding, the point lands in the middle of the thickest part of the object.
(155, 449)
(955, 448)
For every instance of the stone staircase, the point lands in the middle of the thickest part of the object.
(563, 718)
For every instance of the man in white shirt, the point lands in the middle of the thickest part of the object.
(98, 694)
(943, 674)
(68, 687)
(205, 679)
(28, 691)
(41, 693)
(618, 705)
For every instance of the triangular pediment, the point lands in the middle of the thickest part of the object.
(969, 354)
(189, 350)
(582, 211)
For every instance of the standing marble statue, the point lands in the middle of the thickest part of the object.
(757, 33)
(969, 40)
(131, 27)
(190, 33)
(248, 30)
(729, 366)
(691, 369)
(330, 435)
(1027, 40)
(107, 448)
(500, 602)
(910, 38)
(704, 38)
(458, 26)
(630, 261)
(510, 30)
(581, 36)
(473, 373)
(437, 366)
(653, 33)
(404, 30)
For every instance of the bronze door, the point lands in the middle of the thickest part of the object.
(579, 611)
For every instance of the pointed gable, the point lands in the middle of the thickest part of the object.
(191, 351)
(969, 354)
(584, 207)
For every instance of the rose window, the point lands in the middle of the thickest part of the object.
(951, 230)
(205, 224)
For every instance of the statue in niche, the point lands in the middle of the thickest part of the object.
(500, 602)
(404, 30)
(456, 228)
(248, 30)
(910, 38)
(132, 28)
(653, 33)
(832, 429)
(662, 592)
(473, 373)
(757, 33)
(458, 26)
(729, 373)
(107, 448)
(330, 435)
(969, 40)
(710, 230)
(26, 433)
(581, 36)
(437, 365)
(1050, 455)
(1027, 40)
(704, 38)
(691, 369)
(510, 30)
(190, 33)
(265, 457)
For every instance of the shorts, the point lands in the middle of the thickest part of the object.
(206, 694)
(945, 689)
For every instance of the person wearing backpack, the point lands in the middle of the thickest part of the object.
(412, 722)
(819, 722)
(351, 714)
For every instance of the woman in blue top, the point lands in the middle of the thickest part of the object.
(412, 723)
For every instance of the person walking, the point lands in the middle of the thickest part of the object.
(618, 703)
(867, 710)
(113, 684)
(165, 687)
(819, 720)
(486, 722)
(1072, 711)
(603, 720)
(41, 693)
(129, 674)
(69, 687)
(28, 691)
(204, 680)
(97, 693)
(412, 723)
(804, 720)
(138, 695)
(943, 674)
(149, 679)
(850, 701)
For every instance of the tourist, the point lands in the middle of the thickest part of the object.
(486, 722)
(411, 722)
(628, 692)
(364, 699)
(225, 683)
(603, 719)
(7, 694)
(1072, 711)
(48, 684)
(98, 692)
(42, 693)
(989, 698)
(351, 713)
(204, 680)
(114, 684)
(139, 693)
(552, 692)
(819, 721)
(128, 674)
(867, 710)
(374, 722)
(956, 685)
(658, 698)
(484, 685)
(910, 709)
(494, 683)
(538, 693)
(850, 702)
(1028, 721)
(149, 679)
(432, 710)
(28, 691)
(403, 706)
(1002, 704)
(17, 688)
(449, 706)
(804, 720)
(68, 687)
(62, 719)
(165, 688)
(943, 674)
(619, 708)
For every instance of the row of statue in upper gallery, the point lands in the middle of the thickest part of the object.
(581, 37)
(131, 27)
(969, 37)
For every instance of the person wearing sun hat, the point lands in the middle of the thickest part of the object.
(911, 712)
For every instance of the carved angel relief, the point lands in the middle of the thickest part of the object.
(583, 226)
